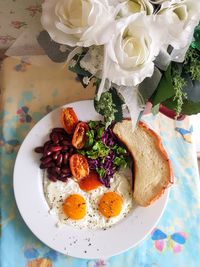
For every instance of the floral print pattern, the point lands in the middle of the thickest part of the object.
(15, 17)
(176, 239)
(34, 9)
(18, 24)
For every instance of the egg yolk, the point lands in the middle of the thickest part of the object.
(90, 182)
(74, 207)
(110, 204)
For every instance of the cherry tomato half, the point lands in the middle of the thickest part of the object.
(90, 182)
(79, 136)
(69, 120)
(79, 166)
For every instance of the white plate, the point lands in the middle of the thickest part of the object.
(68, 240)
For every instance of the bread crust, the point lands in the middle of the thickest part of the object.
(170, 178)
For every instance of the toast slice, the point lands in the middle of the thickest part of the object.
(152, 169)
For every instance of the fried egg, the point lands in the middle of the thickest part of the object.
(99, 208)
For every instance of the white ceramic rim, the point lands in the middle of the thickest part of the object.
(85, 243)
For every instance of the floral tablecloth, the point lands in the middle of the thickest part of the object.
(31, 90)
(15, 17)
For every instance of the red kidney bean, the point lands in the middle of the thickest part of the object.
(42, 166)
(64, 180)
(62, 177)
(52, 178)
(46, 160)
(49, 170)
(59, 160)
(65, 170)
(65, 148)
(39, 149)
(57, 170)
(65, 158)
(54, 137)
(71, 150)
(67, 137)
(60, 136)
(55, 155)
(47, 145)
(47, 153)
(52, 171)
(66, 143)
(49, 165)
(58, 130)
(55, 148)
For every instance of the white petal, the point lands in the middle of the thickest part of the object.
(132, 100)
(130, 70)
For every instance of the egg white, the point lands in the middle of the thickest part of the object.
(56, 193)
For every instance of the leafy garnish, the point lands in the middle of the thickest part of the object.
(106, 107)
(178, 84)
(98, 150)
(90, 138)
(101, 172)
(103, 151)
(110, 106)
(120, 162)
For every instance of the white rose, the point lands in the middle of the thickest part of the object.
(179, 18)
(136, 6)
(132, 50)
(157, 2)
(78, 22)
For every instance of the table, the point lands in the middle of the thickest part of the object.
(15, 17)
(32, 87)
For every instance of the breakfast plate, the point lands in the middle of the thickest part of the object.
(69, 240)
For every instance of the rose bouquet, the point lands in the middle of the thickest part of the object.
(133, 51)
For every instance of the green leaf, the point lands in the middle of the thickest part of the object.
(90, 138)
(118, 102)
(120, 162)
(93, 124)
(105, 107)
(188, 108)
(196, 42)
(165, 88)
(82, 152)
(98, 150)
(77, 68)
(101, 172)
(155, 109)
(100, 132)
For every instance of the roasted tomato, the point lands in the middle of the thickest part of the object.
(90, 182)
(79, 166)
(69, 120)
(79, 136)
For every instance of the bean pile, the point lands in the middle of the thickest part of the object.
(55, 155)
